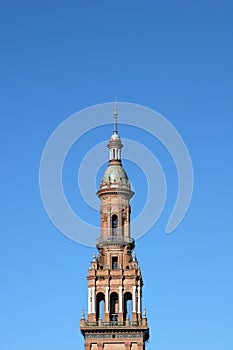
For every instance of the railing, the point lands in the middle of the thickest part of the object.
(114, 185)
(114, 240)
(115, 323)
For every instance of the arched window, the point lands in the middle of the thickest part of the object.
(114, 224)
(100, 306)
(128, 306)
(114, 307)
(113, 151)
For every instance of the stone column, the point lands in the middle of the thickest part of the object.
(139, 300)
(134, 305)
(134, 299)
(89, 301)
(106, 299)
(93, 300)
(120, 314)
(120, 299)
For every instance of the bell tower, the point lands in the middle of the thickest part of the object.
(115, 320)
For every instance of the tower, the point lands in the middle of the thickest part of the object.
(115, 320)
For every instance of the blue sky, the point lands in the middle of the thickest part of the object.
(172, 56)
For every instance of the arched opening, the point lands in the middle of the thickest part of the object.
(114, 307)
(100, 306)
(127, 306)
(114, 224)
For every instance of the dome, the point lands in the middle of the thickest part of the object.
(115, 174)
(115, 137)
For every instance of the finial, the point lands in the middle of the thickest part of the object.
(115, 114)
(83, 314)
(134, 256)
(144, 313)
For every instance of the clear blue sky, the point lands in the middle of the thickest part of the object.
(58, 57)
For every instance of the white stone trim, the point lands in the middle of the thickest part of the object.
(134, 299)
(89, 300)
(93, 300)
(120, 299)
(106, 299)
(139, 300)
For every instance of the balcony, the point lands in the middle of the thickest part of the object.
(115, 324)
(124, 329)
(114, 241)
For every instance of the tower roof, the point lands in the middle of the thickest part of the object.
(115, 174)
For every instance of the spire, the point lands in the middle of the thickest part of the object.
(115, 114)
